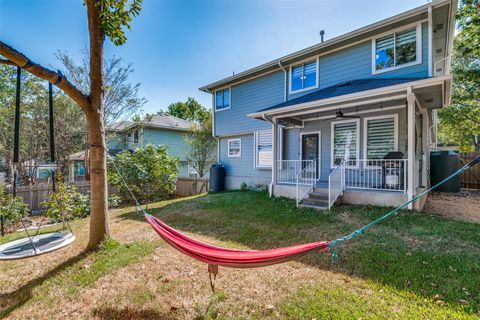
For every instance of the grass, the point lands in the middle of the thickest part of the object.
(413, 266)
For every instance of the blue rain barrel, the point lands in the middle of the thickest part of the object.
(443, 164)
(217, 178)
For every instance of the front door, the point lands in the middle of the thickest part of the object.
(310, 148)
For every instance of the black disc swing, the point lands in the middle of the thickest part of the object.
(36, 244)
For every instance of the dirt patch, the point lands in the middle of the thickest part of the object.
(463, 206)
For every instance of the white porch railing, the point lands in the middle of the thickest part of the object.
(336, 184)
(287, 171)
(306, 176)
(368, 174)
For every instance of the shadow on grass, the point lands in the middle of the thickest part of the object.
(127, 314)
(15, 299)
(416, 252)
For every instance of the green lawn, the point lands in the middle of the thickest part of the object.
(413, 266)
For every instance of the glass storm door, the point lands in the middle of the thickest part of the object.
(310, 147)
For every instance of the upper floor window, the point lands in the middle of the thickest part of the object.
(303, 76)
(399, 49)
(222, 99)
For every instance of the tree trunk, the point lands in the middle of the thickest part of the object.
(98, 180)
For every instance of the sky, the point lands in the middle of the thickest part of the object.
(178, 46)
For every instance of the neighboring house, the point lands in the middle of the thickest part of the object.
(162, 129)
(353, 116)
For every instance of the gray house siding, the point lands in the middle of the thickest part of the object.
(249, 97)
(355, 62)
(242, 169)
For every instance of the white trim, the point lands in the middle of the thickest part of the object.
(255, 146)
(418, 54)
(319, 160)
(229, 99)
(228, 148)
(357, 95)
(430, 42)
(365, 133)
(332, 137)
(302, 62)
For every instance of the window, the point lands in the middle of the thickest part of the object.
(380, 135)
(192, 172)
(345, 142)
(263, 149)
(397, 50)
(234, 148)
(135, 136)
(303, 76)
(222, 99)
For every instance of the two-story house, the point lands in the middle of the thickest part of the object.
(352, 117)
(161, 129)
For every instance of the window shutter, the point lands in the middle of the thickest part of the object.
(264, 148)
(345, 142)
(380, 137)
(226, 98)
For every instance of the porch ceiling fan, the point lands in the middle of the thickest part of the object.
(339, 115)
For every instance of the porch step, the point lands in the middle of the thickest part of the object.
(316, 199)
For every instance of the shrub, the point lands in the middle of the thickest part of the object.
(114, 201)
(67, 201)
(243, 187)
(149, 172)
(12, 208)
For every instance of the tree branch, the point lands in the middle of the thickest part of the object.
(7, 62)
(19, 59)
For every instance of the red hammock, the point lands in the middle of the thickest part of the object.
(217, 256)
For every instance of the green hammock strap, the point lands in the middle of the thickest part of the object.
(332, 245)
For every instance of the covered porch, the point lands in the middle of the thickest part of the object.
(367, 146)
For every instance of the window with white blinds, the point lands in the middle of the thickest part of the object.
(263, 148)
(303, 76)
(234, 147)
(381, 136)
(345, 142)
(398, 49)
(222, 99)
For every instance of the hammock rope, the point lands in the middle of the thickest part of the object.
(215, 256)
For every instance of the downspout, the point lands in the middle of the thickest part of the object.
(213, 124)
(284, 81)
(270, 190)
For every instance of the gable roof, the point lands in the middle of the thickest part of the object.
(341, 89)
(341, 41)
(161, 121)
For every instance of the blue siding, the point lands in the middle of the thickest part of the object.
(356, 63)
(241, 166)
(116, 140)
(246, 98)
(173, 140)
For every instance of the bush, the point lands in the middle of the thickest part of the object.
(149, 172)
(244, 187)
(114, 201)
(12, 209)
(67, 201)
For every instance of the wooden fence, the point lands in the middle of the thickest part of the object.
(36, 194)
(469, 179)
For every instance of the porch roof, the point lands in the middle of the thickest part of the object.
(343, 88)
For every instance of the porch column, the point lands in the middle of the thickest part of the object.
(410, 145)
(274, 154)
